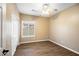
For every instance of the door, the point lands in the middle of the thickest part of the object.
(0, 31)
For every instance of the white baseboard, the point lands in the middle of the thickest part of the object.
(13, 51)
(64, 47)
(1, 51)
(53, 42)
(33, 41)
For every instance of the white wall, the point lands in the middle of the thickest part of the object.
(0, 29)
(15, 32)
(13, 27)
(0, 25)
(3, 26)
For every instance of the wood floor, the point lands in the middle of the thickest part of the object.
(45, 48)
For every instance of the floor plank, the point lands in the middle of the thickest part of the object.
(45, 48)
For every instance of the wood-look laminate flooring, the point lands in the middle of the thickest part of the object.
(44, 48)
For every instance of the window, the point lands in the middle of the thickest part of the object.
(28, 28)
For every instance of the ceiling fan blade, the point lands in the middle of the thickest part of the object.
(35, 10)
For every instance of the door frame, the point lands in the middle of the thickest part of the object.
(1, 31)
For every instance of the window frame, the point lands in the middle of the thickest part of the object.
(28, 22)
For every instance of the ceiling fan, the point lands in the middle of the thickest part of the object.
(44, 8)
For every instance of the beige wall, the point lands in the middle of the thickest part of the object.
(12, 27)
(41, 28)
(64, 28)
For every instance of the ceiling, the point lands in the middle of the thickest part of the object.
(36, 8)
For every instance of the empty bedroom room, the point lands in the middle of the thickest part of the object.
(41, 29)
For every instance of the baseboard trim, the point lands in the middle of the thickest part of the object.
(14, 50)
(53, 42)
(33, 41)
(64, 47)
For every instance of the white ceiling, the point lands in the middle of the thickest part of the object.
(36, 8)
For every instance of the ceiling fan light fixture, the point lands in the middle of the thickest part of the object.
(46, 9)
